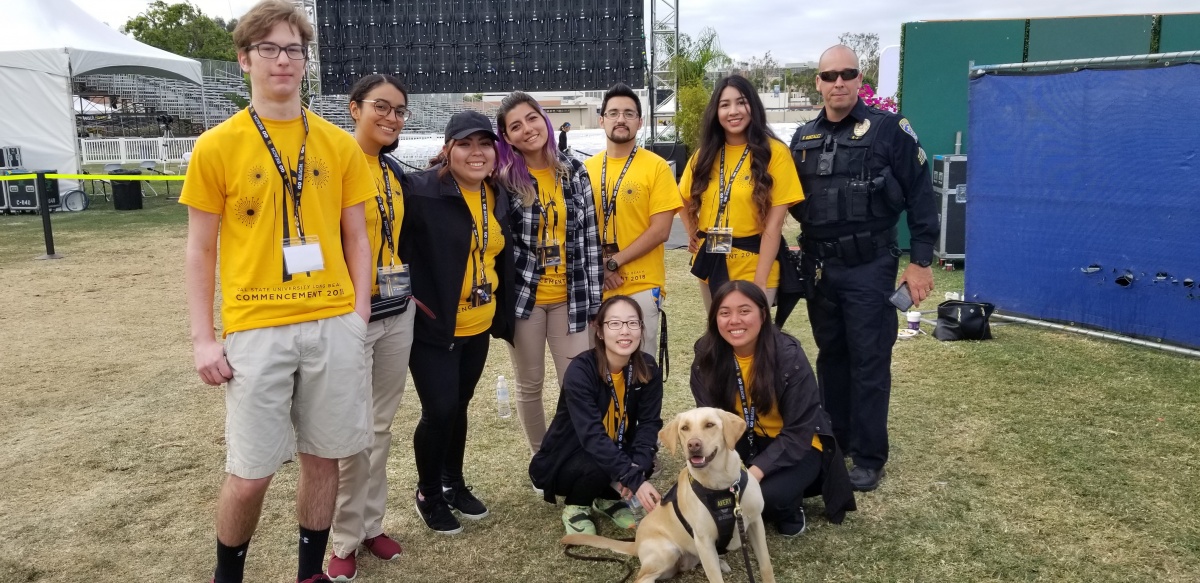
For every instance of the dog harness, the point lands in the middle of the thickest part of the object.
(723, 505)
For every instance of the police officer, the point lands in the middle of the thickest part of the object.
(860, 167)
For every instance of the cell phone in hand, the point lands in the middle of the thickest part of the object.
(901, 298)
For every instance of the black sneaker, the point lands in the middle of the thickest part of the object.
(793, 525)
(437, 516)
(865, 479)
(460, 498)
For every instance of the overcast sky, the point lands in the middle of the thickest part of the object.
(793, 31)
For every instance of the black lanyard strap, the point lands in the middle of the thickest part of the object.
(542, 208)
(609, 207)
(724, 188)
(747, 410)
(621, 408)
(293, 187)
(478, 272)
(386, 216)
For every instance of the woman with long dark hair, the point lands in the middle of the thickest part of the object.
(737, 188)
(600, 448)
(379, 107)
(456, 237)
(747, 366)
(556, 248)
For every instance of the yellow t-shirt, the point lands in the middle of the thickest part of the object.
(478, 319)
(381, 253)
(741, 213)
(552, 287)
(648, 189)
(768, 424)
(611, 419)
(233, 175)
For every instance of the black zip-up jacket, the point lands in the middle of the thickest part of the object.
(578, 425)
(435, 240)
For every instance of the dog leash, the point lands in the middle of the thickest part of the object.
(741, 525)
(628, 568)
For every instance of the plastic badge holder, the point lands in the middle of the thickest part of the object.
(609, 249)
(719, 240)
(394, 281)
(302, 255)
(549, 254)
(481, 295)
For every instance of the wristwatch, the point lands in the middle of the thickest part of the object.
(612, 264)
(925, 263)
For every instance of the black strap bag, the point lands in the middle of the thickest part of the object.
(959, 320)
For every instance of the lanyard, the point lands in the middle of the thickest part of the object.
(610, 207)
(386, 217)
(724, 189)
(478, 273)
(747, 409)
(622, 413)
(293, 188)
(545, 234)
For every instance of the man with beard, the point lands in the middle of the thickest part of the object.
(637, 197)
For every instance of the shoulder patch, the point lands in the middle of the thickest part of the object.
(908, 129)
(812, 136)
(921, 155)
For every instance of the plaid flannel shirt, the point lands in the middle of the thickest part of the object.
(585, 273)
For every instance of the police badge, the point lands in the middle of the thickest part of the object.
(860, 129)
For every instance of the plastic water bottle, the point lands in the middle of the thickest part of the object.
(502, 398)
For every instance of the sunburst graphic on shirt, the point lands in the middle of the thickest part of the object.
(256, 176)
(318, 172)
(247, 210)
(633, 192)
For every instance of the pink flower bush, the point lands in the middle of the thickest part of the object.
(867, 94)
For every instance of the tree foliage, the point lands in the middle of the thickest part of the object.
(692, 101)
(184, 30)
(696, 58)
(762, 72)
(866, 46)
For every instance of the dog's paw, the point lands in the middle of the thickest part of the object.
(725, 567)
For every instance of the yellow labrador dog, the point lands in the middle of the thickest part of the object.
(663, 543)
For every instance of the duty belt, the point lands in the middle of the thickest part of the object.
(854, 249)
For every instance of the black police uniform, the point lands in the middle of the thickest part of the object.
(858, 175)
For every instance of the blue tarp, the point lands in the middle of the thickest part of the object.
(1083, 199)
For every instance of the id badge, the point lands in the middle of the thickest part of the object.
(481, 295)
(719, 240)
(609, 249)
(301, 257)
(549, 254)
(394, 281)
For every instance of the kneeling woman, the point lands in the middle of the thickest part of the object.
(601, 444)
(745, 365)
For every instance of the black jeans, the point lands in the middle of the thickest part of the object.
(445, 380)
(854, 326)
(581, 481)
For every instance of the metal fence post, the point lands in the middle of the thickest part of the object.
(44, 208)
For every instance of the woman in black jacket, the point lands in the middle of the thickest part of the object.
(456, 239)
(745, 365)
(600, 447)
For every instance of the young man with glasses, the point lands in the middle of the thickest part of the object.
(860, 168)
(636, 199)
(285, 190)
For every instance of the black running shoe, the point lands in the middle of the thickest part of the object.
(437, 516)
(793, 524)
(460, 498)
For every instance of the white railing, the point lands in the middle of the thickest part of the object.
(126, 150)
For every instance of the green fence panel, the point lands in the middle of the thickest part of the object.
(1180, 32)
(1053, 39)
(936, 59)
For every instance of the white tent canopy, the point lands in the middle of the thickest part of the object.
(43, 43)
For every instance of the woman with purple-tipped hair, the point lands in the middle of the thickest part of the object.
(559, 277)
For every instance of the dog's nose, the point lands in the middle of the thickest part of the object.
(694, 445)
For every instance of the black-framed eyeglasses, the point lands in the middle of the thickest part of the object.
(383, 108)
(618, 324)
(627, 114)
(831, 76)
(271, 51)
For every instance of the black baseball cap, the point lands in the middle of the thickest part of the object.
(465, 123)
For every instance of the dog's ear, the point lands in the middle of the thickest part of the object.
(669, 435)
(733, 426)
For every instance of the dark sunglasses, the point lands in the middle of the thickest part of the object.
(831, 76)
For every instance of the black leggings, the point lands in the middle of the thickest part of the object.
(581, 481)
(445, 380)
(784, 489)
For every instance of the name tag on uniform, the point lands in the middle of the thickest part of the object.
(302, 257)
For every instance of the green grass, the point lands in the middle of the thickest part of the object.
(1036, 456)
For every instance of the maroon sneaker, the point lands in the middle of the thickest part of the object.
(383, 547)
(342, 569)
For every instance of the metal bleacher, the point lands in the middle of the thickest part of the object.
(210, 104)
